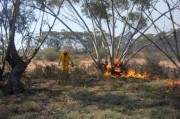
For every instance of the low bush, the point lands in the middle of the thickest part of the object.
(51, 54)
(52, 71)
(79, 75)
(101, 52)
(152, 66)
(156, 86)
(37, 72)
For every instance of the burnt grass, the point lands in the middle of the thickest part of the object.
(92, 98)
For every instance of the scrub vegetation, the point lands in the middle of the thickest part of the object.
(121, 69)
(49, 95)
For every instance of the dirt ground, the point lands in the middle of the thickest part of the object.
(87, 62)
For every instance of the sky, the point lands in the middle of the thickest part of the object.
(163, 23)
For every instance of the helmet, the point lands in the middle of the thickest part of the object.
(64, 51)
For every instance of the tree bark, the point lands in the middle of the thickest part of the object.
(13, 84)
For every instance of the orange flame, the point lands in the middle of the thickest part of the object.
(132, 74)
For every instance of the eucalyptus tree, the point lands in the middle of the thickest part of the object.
(137, 18)
(113, 23)
(168, 43)
(58, 40)
(18, 30)
(101, 21)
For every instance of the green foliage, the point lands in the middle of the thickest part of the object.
(156, 86)
(164, 113)
(51, 54)
(25, 17)
(146, 4)
(134, 17)
(112, 99)
(47, 99)
(101, 53)
(96, 9)
(122, 4)
(76, 61)
(54, 2)
(110, 114)
(54, 40)
(120, 89)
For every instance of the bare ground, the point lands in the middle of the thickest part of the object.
(87, 62)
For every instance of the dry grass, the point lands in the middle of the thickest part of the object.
(88, 96)
(92, 99)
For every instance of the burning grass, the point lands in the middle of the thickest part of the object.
(120, 70)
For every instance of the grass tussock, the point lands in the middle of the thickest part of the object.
(85, 97)
(29, 106)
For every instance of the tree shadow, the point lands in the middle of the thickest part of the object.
(108, 100)
(121, 101)
(51, 93)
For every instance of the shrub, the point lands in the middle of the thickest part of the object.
(51, 54)
(156, 86)
(79, 75)
(37, 72)
(52, 71)
(76, 62)
(101, 52)
(152, 66)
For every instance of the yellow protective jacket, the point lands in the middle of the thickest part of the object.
(65, 61)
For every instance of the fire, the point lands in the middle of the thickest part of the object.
(173, 84)
(118, 72)
(132, 74)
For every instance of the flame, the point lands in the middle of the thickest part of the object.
(132, 74)
(119, 73)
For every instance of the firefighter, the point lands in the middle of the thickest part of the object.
(65, 59)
